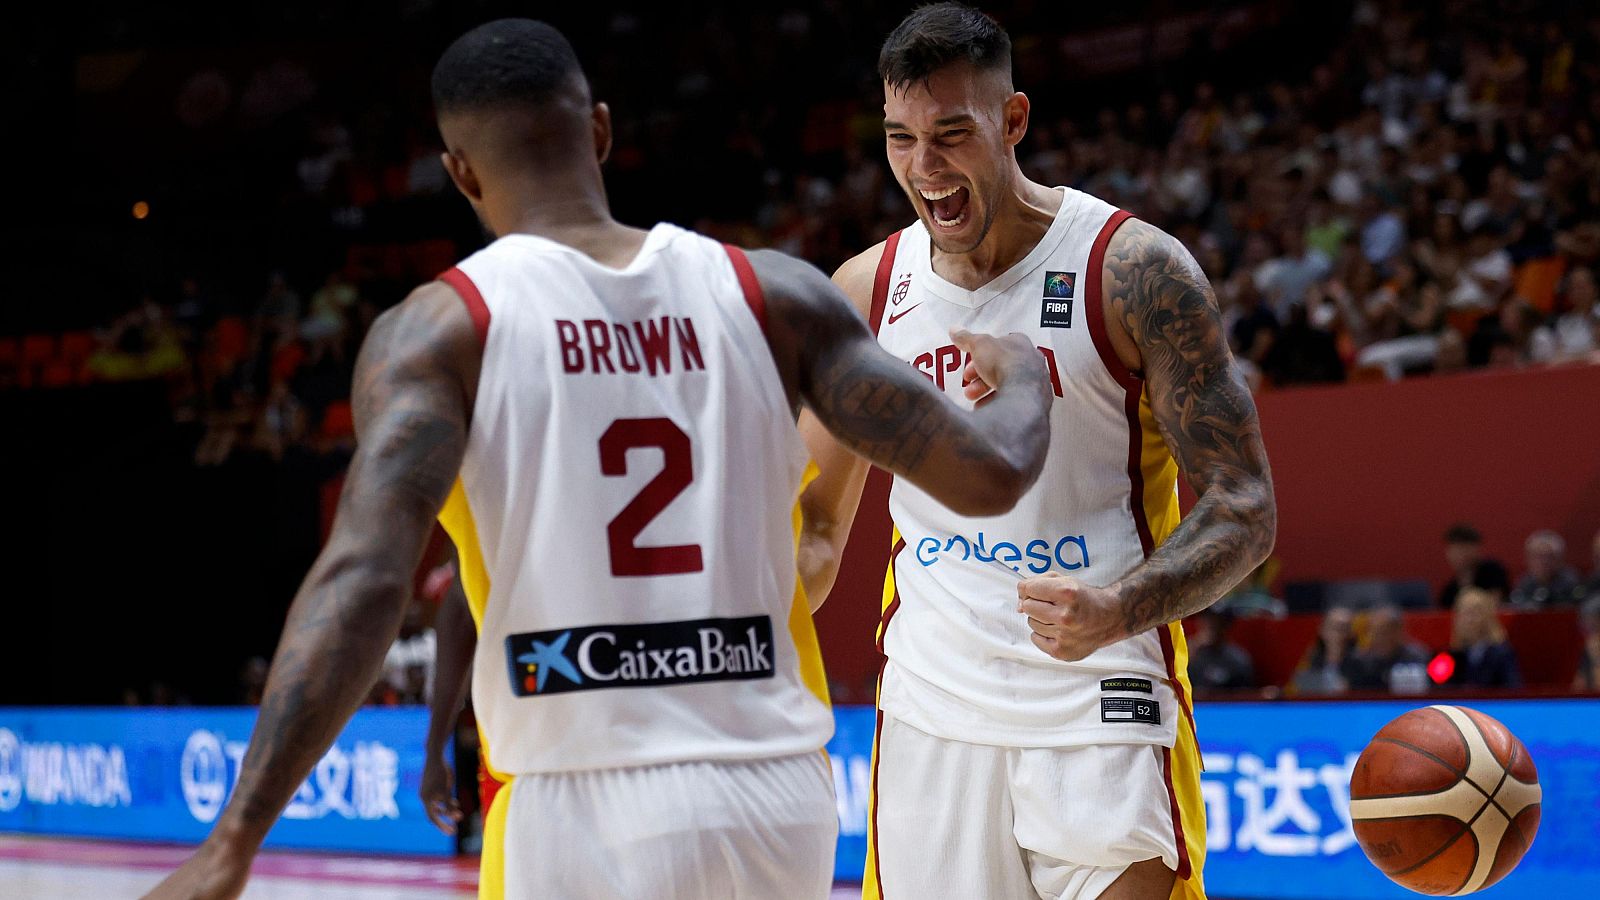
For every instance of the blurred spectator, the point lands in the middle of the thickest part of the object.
(1549, 580)
(325, 328)
(1390, 660)
(1573, 334)
(1588, 675)
(1329, 665)
(1285, 279)
(408, 667)
(1591, 588)
(1463, 550)
(1483, 656)
(1303, 353)
(1215, 663)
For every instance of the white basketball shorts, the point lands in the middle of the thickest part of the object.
(740, 830)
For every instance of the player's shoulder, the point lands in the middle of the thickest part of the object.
(434, 321)
(858, 275)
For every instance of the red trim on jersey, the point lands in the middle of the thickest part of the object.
(1141, 521)
(749, 284)
(880, 282)
(877, 731)
(488, 786)
(1094, 304)
(1185, 868)
(894, 605)
(877, 798)
(476, 308)
(1170, 656)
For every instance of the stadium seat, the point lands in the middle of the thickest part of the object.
(38, 349)
(232, 339)
(339, 421)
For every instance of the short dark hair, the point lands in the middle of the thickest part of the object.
(1462, 533)
(939, 35)
(507, 61)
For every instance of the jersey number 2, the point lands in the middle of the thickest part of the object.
(677, 471)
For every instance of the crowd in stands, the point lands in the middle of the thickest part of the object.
(1424, 199)
(1369, 650)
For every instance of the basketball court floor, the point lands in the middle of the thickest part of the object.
(34, 868)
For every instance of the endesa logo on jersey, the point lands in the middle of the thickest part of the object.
(1068, 552)
(643, 655)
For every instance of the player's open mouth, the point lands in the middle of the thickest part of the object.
(947, 206)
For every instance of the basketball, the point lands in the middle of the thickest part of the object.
(1445, 800)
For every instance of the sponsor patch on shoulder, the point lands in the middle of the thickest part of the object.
(1130, 709)
(1141, 685)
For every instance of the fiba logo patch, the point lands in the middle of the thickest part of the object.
(1056, 309)
(643, 655)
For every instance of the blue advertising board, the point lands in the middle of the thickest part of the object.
(1275, 788)
(1276, 791)
(164, 774)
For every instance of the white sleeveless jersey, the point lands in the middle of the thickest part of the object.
(626, 513)
(961, 664)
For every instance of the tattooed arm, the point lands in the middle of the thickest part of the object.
(828, 504)
(1165, 322)
(976, 462)
(413, 387)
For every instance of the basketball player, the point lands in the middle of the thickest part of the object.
(1035, 732)
(604, 419)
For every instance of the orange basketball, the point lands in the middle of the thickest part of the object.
(1445, 800)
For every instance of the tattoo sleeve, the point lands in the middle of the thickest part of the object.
(411, 427)
(1205, 413)
(975, 461)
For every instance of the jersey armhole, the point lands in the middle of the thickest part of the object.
(749, 284)
(880, 281)
(476, 308)
(1094, 302)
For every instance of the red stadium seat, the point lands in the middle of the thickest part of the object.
(339, 421)
(58, 374)
(38, 349)
(232, 339)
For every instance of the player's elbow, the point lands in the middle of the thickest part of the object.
(992, 488)
(1257, 508)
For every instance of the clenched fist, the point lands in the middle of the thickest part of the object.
(1070, 619)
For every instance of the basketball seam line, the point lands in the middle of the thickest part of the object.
(1505, 772)
(1431, 856)
(1460, 775)
(1468, 745)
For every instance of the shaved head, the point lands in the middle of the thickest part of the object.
(520, 127)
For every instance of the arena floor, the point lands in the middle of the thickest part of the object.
(33, 868)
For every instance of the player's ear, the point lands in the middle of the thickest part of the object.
(461, 173)
(602, 132)
(1015, 113)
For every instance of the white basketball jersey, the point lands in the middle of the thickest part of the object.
(626, 513)
(961, 664)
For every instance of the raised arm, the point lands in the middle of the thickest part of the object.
(412, 392)
(977, 462)
(828, 504)
(1165, 316)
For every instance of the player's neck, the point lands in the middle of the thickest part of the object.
(580, 220)
(1025, 214)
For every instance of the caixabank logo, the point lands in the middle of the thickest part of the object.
(652, 654)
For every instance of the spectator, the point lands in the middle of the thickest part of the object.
(1576, 333)
(1549, 580)
(1463, 550)
(1588, 676)
(1482, 654)
(1286, 278)
(1303, 353)
(1591, 588)
(1329, 664)
(1390, 660)
(408, 668)
(1215, 663)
